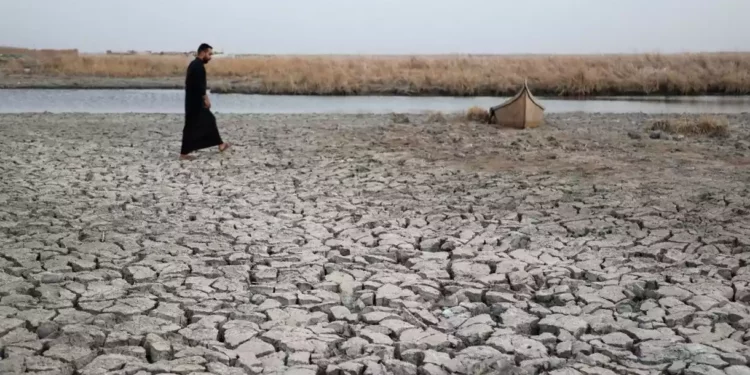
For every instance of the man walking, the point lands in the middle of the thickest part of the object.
(200, 124)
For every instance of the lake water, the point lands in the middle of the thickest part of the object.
(171, 101)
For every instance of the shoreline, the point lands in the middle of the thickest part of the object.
(226, 87)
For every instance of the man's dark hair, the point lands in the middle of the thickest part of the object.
(204, 47)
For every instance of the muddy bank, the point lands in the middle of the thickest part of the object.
(42, 82)
(353, 244)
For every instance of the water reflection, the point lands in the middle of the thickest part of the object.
(171, 101)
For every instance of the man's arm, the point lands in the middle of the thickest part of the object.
(202, 83)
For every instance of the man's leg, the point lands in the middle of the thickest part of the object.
(214, 132)
(184, 149)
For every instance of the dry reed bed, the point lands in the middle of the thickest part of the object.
(683, 74)
(705, 125)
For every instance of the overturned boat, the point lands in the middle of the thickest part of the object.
(521, 111)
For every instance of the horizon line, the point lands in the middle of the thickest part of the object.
(385, 54)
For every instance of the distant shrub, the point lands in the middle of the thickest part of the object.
(437, 117)
(477, 114)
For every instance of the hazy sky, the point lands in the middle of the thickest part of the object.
(380, 26)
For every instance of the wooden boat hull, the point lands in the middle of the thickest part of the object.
(522, 111)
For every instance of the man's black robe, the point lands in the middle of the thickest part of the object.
(200, 124)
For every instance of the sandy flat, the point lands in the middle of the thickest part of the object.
(344, 244)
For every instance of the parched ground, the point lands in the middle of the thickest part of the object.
(354, 245)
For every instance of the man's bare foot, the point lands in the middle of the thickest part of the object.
(224, 146)
(186, 157)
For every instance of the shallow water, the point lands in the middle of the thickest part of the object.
(171, 101)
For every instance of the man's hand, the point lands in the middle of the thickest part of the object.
(206, 102)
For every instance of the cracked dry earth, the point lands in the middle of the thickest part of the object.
(352, 245)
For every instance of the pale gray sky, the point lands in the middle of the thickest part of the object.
(380, 26)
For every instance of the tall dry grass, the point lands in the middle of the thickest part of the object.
(684, 74)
